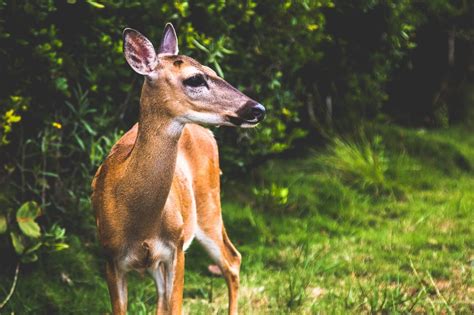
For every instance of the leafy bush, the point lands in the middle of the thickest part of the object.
(31, 239)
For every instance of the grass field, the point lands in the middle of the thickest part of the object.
(379, 224)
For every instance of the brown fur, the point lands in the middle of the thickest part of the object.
(195, 141)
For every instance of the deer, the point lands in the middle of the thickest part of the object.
(159, 186)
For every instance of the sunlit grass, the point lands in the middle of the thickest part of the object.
(364, 165)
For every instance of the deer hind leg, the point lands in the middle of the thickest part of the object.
(224, 254)
(117, 284)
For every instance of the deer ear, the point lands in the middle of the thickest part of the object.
(169, 42)
(139, 52)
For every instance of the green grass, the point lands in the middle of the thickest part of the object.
(383, 225)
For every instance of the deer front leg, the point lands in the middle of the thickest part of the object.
(178, 283)
(117, 283)
(169, 279)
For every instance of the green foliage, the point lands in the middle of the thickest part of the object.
(271, 50)
(25, 216)
(26, 236)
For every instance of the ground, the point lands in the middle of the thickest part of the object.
(379, 224)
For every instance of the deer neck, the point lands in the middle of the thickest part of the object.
(152, 161)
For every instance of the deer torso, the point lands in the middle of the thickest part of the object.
(136, 228)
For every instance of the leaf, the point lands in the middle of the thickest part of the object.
(3, 223)
(71, 107)
(61, 84)
(96, 4)
(26, 216)
(29, 258)
(61, 246)
(50, 174)
(33, 248)
(17, 243)
(200, 46)
(219, 69)
(80, 142)
(88, 127)
(58, 232)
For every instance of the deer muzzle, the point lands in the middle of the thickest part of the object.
(248, 115)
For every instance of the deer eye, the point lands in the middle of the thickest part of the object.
(195, 81)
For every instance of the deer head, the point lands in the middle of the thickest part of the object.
(181, 88)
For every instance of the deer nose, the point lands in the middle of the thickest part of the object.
(258, 112)
(251, 114)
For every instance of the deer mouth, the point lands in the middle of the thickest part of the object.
(240, 122)
(236, 121)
